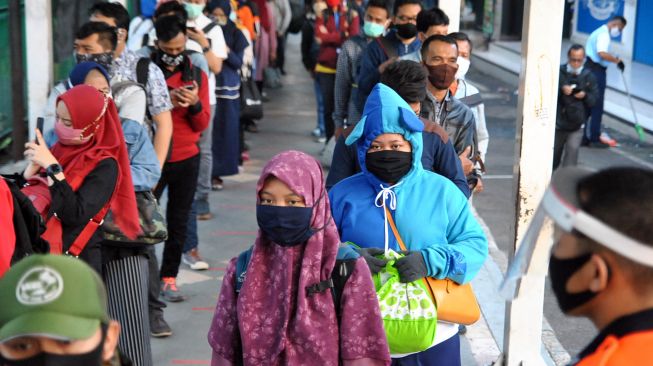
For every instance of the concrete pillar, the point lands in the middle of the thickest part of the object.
(38, 37)
(538, 90)
(452, 9)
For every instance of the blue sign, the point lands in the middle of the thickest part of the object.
(594, 13)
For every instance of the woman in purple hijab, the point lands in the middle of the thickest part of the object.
(274, 320)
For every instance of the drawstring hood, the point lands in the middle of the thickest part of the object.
(386, 193)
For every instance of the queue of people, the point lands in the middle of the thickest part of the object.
(343, 266)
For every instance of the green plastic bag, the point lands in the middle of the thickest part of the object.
(409, 315)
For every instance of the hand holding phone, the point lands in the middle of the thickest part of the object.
(39, 126)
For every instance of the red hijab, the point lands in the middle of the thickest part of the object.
(263, 15)
(94, 111)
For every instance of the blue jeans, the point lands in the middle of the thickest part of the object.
(593, 128)
(319, 100)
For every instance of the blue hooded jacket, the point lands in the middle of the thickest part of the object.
(431, 213)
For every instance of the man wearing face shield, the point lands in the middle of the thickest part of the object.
(601, 265)
(54, 312)
(440, 57)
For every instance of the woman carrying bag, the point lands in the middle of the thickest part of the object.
(283, 303)
(432, 216)
(85, 172)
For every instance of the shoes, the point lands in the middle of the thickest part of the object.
(169, 290)
(321, 139)
(159, 328)
(217, 184)
(598, 145)
(606, 139)
(316, 132)
(194, 261)
(203, 210)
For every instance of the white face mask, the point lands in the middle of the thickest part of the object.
(615, 32)
(463, 67)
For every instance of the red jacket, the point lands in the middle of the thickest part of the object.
(334, 37)
(8, 237)
(188, 123)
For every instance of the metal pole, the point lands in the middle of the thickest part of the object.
(452, 9)
(538, 91)
(19, 132)
(38, 39)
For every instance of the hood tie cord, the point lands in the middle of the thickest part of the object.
(380, 201)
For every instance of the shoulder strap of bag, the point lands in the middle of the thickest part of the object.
(209, 27)
(241, 268)
(391, 221)
(387, 47)
(82, 239)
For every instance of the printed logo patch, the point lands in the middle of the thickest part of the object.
(40, 285)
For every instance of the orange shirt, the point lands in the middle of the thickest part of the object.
(248, 20)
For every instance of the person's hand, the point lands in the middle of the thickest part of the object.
(387, 63)
(412, 267)
(188, 97)
(621, 66)
(38, 153)
(323, 29)
(198, 36)
(580, 95)
(467, 164)
(375, 264)
(338, 132)
(31, 170)
(479, 186)
(567, 89)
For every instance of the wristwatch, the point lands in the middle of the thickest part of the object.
(206, 49)
(53, 170)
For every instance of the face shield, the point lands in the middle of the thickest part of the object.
(560, 204)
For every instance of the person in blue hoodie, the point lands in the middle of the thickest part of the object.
(383, 51)
(432, 215)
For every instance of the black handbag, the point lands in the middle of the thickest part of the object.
(152, 221)
(251, 103)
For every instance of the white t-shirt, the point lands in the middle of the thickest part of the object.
(218, 46)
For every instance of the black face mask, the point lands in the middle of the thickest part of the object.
(170, 59)
(286, 226)
(560, 271)
(93, 358)
(389, 165)
(105, 59)
(406, 31)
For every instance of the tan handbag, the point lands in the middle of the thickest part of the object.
(455, 303)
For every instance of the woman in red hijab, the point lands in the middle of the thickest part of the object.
(87, 170)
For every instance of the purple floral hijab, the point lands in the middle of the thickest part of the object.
(273, 321)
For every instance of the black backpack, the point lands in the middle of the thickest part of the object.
(345, 262)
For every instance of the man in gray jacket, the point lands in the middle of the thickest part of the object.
(282, 16)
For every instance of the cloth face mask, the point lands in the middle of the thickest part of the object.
(105, 59)
(389, 165)
(561, 271)
(286, 226)
(441, 76)
(69, 135)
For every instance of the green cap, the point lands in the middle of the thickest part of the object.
(53, 296)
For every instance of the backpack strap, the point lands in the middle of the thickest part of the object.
(143, 71)
(209, 27)
(82, 239)
(241, 268)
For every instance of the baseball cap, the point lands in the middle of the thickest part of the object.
(52, 296)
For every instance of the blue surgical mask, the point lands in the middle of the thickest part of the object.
(285, 226)
(233, 17)
(193, 10)
(615, 32)
(373, 30)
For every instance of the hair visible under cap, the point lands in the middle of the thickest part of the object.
(114, 11)
(463, 37)
(622, 198)
(382, 4)
(431, 17)
(168, 27)
(407, 78)
(436, 38)
(399, 3)
(107, 35)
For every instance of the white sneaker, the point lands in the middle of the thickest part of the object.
(194, 261)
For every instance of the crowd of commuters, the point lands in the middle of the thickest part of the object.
(155, 104)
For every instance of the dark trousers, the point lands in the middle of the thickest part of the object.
(281, 52)
(446, 353)
(567, 142)
(327, 85)
(593, 128)
(181, 179)
(154, 303)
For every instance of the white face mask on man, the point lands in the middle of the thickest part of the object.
(615, 32)
(463, 67)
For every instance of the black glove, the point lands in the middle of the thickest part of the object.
(621, 66)
(411, 267)
(375, 264)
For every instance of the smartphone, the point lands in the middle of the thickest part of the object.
(39, 125)
(189, 86)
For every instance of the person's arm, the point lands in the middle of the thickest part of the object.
(354, 28)
(217, 50)
(159, 106)
(76, 208)
(602, 46)
(360, 319)
(591, 91)
(466, 249)
(286, 15)
(235, 55)
(343, 163)
(481, 130)
(343, 85)
(224, 335)
(308, 39)
(368, 74)
(143, 164)
(327, 38)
